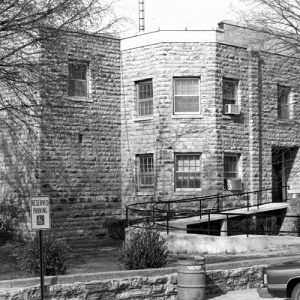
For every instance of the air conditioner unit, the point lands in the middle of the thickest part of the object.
(233, 184)
(231, 109)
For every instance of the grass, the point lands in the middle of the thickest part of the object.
(102, 256)
(83, 258)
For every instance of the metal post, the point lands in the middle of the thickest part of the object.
(208, 222)
(127, 221)
(247, 201)
(247, 226)
(200, 206)
(168, 218)
(218, 199)
(41, 264)
(298, 229)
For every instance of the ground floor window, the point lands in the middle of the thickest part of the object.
(145, 171)
(187, 170)
(232, 179)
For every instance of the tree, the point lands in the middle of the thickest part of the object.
(24, 26)
(279, 20)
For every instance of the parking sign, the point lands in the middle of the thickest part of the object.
(40, 212)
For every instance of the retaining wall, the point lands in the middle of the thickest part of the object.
(132, 285)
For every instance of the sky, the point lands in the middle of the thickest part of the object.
(178, 14)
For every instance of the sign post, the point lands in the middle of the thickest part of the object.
(40, 220)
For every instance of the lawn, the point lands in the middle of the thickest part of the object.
(102, 256)
(83, 258)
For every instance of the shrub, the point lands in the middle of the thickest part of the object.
(9, 212)
(115, 228)
(145, 249)
(54, 254)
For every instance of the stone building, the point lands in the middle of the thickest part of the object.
(208, 112)
(162, 116)
(77, 159)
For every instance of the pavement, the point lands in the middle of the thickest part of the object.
(250, 294)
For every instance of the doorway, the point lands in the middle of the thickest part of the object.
(282, 163)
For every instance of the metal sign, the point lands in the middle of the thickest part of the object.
(40, 212)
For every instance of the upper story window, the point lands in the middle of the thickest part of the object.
(232, 179)
(186, 95)
(187, 171)
(283, 102)
(230, 96)
(145, 171)
(144, 97)
(77, 80)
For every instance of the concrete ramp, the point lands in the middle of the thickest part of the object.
(233, 213)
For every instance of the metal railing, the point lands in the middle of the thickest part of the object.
(161, 215)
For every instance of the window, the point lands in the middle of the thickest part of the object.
(144, 98)
(230, 91)
(77, 83)
(186, 95)
(145, 171)
(232, 181)
(231, 166)
(283, 101)
(187, 171)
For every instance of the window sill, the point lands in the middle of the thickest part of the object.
(145, 193)
(141, 119)
(287, 121)
(189, 190)
(187, 116)
(80, 99)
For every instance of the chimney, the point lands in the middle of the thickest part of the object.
(141, 16)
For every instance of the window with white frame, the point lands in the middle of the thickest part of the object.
(186, 95)
(145, 171)
(78, 79)
(230, 91)
(187, 171)
(283, 102)
(144, 91)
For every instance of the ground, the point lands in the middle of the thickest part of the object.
(102, 256)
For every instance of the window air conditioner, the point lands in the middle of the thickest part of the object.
(231, 109)
(233, 184)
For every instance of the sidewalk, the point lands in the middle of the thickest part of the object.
(250, 294)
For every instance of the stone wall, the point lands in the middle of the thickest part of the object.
(75, 153)
(252, 134)
(140, 287)
(80, 138)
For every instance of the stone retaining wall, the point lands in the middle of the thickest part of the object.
(159, 287)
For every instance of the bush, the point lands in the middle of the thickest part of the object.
(9, 212)
(54, 254)
(145, 249)
(115, 228)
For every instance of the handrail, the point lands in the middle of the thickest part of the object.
(152, 211)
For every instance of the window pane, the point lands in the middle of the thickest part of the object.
(77, 83)
(187, 171)
(186, 104)
(283, 102)
(145, 98)
(186, 95)
(145, 171)
(230, 167)
(186, 87)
